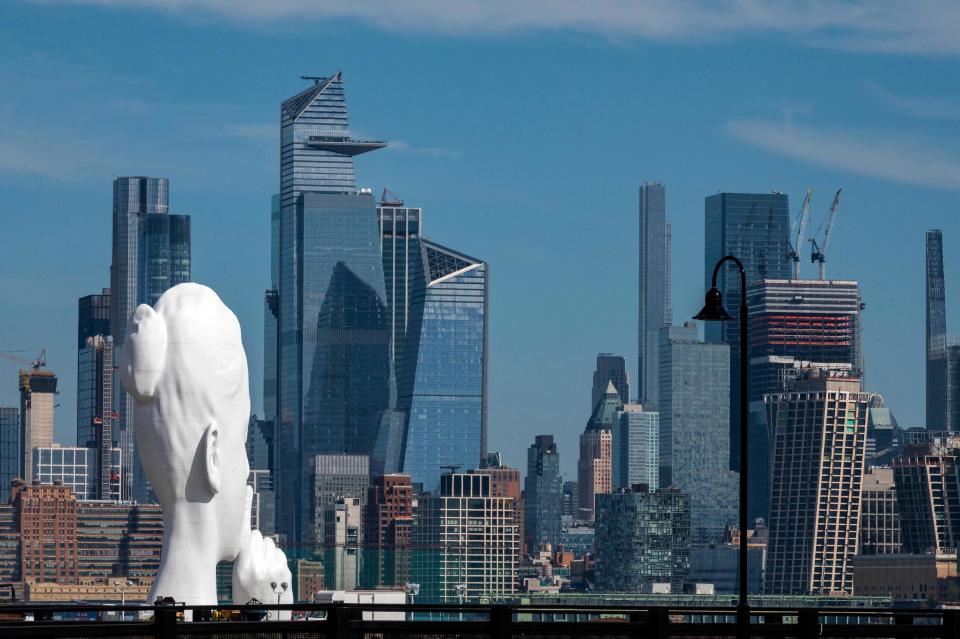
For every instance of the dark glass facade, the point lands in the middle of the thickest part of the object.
(9, 446)
(543, 494)
(333, 366)
(755, 227)
(444, 393)
(943, 351)
(610, 368)
(151, 253)
(655, 310)
(93, 316)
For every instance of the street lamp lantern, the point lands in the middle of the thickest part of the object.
(278, 590)
(714, 311)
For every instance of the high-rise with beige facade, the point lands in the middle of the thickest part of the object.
(819, 438)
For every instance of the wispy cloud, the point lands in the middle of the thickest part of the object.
(918, 106)
(901, 26)
(429, 151)
(879, 154)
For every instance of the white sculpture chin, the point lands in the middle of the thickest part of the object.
(184, 364)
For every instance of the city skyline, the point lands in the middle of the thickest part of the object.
(445, 173)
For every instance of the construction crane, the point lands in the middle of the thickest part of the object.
(795, 250)
(37, 363)
(818, 254)
(389, 199)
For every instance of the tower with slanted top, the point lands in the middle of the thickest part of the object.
(334, 381)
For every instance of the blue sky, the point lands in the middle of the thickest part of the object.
(523, 129)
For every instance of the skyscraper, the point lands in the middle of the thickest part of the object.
(755, 228)
(151, 253)
(11, 459)
(655, 310)
(943, 350)
(595, 466)
(694, 385)
(818, 463)
(38, 390)
(879, 518)
(93, 317)
(95, 407)
(636, 447)
(610, 368)
(543, 493)
(794, 325)
(334, 371)
(442, 376)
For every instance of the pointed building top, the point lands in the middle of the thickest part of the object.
(611, 389)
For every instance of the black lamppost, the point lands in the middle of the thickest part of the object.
(714, 311)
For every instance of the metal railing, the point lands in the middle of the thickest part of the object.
(406, 621)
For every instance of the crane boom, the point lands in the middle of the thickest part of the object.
(819, 253)
(796, 249)
(37, 363)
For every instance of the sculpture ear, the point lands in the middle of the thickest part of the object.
(144, 353)
(211, 457)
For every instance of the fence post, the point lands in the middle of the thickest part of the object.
(657, 621)
(951, 624)
(809, 622)
(501, 622)
(165, 622)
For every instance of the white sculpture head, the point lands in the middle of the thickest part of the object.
(184, 364)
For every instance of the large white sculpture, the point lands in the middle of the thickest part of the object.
(184, 364)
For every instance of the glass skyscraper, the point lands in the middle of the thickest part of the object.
(334, 377)
(443, 390)
(943, 350)
(543, 494)
(755, 227)
(151, 253)
(655, 310)
(9, 446)
(93, 317)
(694, 449)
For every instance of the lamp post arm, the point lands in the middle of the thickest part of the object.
(743, 273)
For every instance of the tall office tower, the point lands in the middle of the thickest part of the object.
(444, 393)
(465, 537)
(610, 368)
(334, 373)
(595, 466)
(93, 317)
(794, 325)
(636, 447)
(642, 538)
(336, 476)
(927, 479)
(404, 280)
(543, 494)
(755, 228)
(819, 445)
(655, 310)
(10, 457)
(151, 253)
(79, 468)
(95, 415)
(943, 350)
(260, 444)
(263, 511)
(388, 524)
(38, 390)
(879, 519)
(694, 448)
